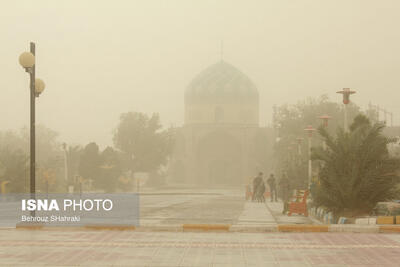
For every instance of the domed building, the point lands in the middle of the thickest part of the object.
(221, 94)
(220, 142)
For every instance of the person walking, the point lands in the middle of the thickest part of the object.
(261, 191)
(249, 189)
(284, 188)
(272, 187)
(256, 183)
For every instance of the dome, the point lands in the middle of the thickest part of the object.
(223, 81)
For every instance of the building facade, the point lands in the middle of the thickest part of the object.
(220, 142)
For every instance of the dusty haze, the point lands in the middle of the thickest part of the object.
(101, 58)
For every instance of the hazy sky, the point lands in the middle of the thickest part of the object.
(101, 58)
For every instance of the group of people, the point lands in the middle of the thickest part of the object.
(284, 187)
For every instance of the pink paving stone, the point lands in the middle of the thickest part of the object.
(256, 248)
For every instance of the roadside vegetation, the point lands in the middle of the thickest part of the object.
(141, 144)
(358, 171)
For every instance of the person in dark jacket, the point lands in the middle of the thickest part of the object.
(260, 192)
(256, 183)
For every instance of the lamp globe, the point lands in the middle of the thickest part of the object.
(39, 86)
(27, 60)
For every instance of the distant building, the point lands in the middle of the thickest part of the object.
(221, 141)
(392, 131)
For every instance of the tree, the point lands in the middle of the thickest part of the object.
(48, 179)
(90, 161)
(47, 145)
(73, 159)
(358, 171)
(49, 155)
(14, 169)
(14, 163)
(290, 121)
(143, 141)
(12, 141)
(110, 170)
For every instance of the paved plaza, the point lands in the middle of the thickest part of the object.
(194, 206)
(215, 206)
(130, 248)
(77, 247)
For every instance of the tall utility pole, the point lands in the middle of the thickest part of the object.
(299, 140)
(325, 119)
(33, 136)
(64, 146)
(309, 129)
(36, 87)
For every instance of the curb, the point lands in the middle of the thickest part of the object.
(254, 229)
(159, 228)
(303, 228)
(206, 227)
(389, 229)
(110, 227)
(72, 228)
(177, 193)
(353, 228)
(29, 227)
(282, 228)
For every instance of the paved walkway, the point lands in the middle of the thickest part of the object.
(160, 210)
(276, 209)
(255, 214)
(215, 206)
(129, 248)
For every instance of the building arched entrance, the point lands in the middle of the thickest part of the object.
(219, 160)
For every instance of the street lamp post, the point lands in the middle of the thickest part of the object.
(27, 61)
(299, 140)
(309, 129)
(290, 154)
(64, 146)
(294, 152)
(290, 160)
(346, 92)
(325, 119)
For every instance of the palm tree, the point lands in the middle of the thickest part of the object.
(357, 169)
